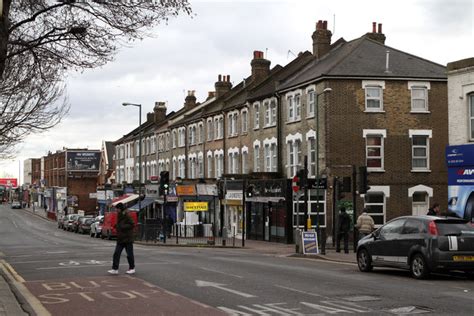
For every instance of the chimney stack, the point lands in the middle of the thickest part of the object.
(376, 35)
(222, 85)
(190, 100)
(210, 95)
(160, 112)
(260, 66)
(321, 39)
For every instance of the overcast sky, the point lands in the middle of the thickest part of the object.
(189, 53)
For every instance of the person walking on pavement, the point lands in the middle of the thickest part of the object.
(434, 210)
(365, 224)
(343, 230)
(125, 238)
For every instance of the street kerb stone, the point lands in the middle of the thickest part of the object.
(113, 295)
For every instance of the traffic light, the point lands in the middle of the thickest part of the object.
(164, 182)
(302, 175)
(249, 191)
(339, 189)
(363, 182)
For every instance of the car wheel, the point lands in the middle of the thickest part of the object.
(418, 267)
(364, 261)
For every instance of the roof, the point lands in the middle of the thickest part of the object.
(364, 57)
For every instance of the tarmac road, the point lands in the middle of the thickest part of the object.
(67, 274)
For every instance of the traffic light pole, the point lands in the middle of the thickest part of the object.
(305, 186)
(354, 205)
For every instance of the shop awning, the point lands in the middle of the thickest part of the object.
(143, 204)
(124, 199)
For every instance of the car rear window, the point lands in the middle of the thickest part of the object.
(454, 228)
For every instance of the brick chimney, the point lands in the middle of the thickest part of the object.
(190, 100)
(210, 95)
(159, 112)
(260, 66)
(376, 35)
(321, 39)
(222, 86)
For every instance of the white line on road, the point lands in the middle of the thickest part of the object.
(219, 286)
(225, 273)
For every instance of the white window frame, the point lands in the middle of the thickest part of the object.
(245, 152)
(210, 129)
(209, 164)
(267, 117)
(310, 101)
(256, 156)
(420, 133)
(294, 161)
(415, 86)
(293, 100)
(385, 192)
(244, 119)
(382, 133)
(373, 84)
(256, 117)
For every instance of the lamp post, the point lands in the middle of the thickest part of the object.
(327, 90)
(139, 151)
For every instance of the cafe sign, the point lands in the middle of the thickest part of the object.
(196, 206)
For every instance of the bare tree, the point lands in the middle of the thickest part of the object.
(42, 40)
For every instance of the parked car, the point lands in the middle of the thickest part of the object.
(84, 226)
(110, 220)
(96, 227)
(68, 221)
(422, 244)
(16, 204)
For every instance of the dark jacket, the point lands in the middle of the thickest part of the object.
(344, 222)
(124, 227)
(431, 211)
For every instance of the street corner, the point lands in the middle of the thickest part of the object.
(113, 295)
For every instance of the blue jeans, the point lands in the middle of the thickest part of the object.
(118, 252)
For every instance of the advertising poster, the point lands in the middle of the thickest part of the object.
(310, 243)
(460, 163)
(9, 182)
(83, 160)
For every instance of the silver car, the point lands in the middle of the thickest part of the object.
(96, 227)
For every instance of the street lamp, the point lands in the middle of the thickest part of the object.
(327, 90)
(139, 151)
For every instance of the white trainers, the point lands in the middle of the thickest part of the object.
(113, 271)
(130, 271)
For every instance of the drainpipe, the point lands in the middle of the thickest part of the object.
(279, 134)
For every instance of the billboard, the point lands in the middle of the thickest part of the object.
(83, 160)
(9, 182)
(460, 163)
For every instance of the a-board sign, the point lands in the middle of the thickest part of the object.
(310, 243)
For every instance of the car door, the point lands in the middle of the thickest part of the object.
(412, 237)
(384, 249)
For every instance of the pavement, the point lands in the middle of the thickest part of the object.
(15, 299)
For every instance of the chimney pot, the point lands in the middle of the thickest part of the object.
(228, 78)
(380, 28)
(219, 78)
(374, 26)
(325, 25)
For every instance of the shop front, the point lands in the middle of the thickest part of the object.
(268, 210)
(233, 219)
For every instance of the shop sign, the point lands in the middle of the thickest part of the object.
(206, 189)
(310, 243)
(185, 190)
(195, 206)
(234, 195)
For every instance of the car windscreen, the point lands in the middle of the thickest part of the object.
(454, 228)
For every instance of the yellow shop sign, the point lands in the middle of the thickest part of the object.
(195, 206)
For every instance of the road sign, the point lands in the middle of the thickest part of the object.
(295, 185)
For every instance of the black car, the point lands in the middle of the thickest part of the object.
(85, 225)
(422, 244)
